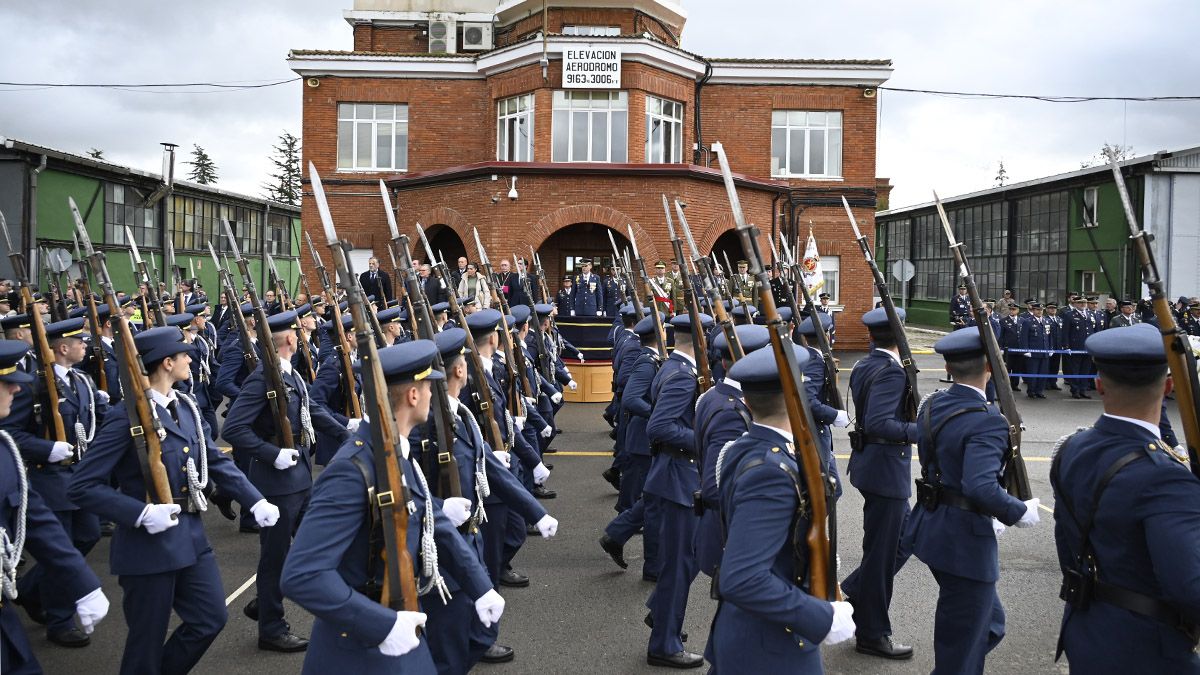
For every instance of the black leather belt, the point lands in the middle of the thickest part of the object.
(677, 453)
(955, 499)
(1146, 606)
(883, 441)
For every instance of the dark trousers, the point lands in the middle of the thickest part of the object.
(1080, 364)
(83, 529)
(633, 479)
(455, 648)
(968, 624)
(1053, 369)
(16, 654)
(645, 514)
(273, 545)
(870, 586)
(195, 594)
(514, 538)
(1036, 366)
(1015, 363)
(493, 530)
(668, 600)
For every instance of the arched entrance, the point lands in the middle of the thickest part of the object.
(562, 251)
(728, 246)
(446, 243)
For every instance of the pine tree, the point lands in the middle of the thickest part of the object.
(1001, 175)
(284, 186)
(204, 171)
(95, 153)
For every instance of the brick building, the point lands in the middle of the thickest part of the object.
(455, 108)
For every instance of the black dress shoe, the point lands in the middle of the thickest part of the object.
(33, 607)
(287, 643)
(513, 579)
(1084, 396)
(1055, 387)
(549, 451)
(72, 637)
(613, 477)
(543, 492)
(649, 621)
(1039, 396)
(224, 504)
(884, 647)
(251, 610)
(614, 551)
(683, 659)
(497, 653)
(549, 467)
(248, 529)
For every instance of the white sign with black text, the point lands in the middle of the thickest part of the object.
(591, 68)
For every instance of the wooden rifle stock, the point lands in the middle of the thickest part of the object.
(699, 339)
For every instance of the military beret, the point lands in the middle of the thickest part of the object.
(409, 362)
(807, 327)
(962, 343)
(283, 321)
(751, 338)
(758, 371)
(1140, 344)
(66, 328)
(158, 343)
(11, 353)
(877, 318)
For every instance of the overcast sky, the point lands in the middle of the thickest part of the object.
(1045, 47)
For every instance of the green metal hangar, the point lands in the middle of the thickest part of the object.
(1032, 237)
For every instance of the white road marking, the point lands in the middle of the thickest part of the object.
(241, 589)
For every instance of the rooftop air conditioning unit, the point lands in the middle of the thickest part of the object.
(477, 36)
(442, 36)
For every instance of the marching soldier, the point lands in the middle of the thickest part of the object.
(1127, 522)
(234, 367)
(565, 300)
(329, 391)
(743, 287)
(589, 294)
(1035, 335)
(625, 349)
(283, 474)
(335, 567)
(392, 323)
(963, 444)
(27, 523)
(821, 402)
(766, 621)
(160, 553)
(879, 468)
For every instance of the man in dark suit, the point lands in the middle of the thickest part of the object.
(435, 289)
(376, 282)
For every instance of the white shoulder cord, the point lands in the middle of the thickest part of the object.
(482, 488)
(721, 460)
(10, 551)
(307, 436)
(197, 480)
(429, 553)
(84, 433)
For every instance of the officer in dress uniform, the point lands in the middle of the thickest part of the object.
(766, 621)
(201, 382)
(1056, 324)
(615, 292)
(234, 366)
(112, 369)
(824, 308)
(821, 402)
(1125, 316)
(1010, 341)
(1127, 522)
(282, 473)
(879, 468)
(1077, 327)
(721, 417)
(960, 308)
(674, 478)
(51, 465)
(565, 300)
(743, 287)
(160, 553)
(336, 567)
(1035, 335)
(40, 531)
(962, 507)
(589, 293)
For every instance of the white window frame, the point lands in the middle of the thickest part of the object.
(807, 122)
(668, 115)
(512, 114)
(1087, 282)
(831, 269)
(349, 113)
(1091, 202)
(571, 105)
(591, 31)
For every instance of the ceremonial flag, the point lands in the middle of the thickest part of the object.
(810, 269)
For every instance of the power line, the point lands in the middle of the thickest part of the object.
(1044, 98)
(150, 87)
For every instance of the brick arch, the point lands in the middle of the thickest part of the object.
(713, 231)
(452, 219)
(591, 213)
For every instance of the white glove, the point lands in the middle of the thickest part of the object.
(504, 458)
(556, 398)
(572, 312)
(599, 313)
(352, 424)
(286, 458)
(843, 420)
(529, 400)
(457, 509)
(402, 639)
(998, 528)
(1027, 355)
(102, 397)
(265, 513)
(572, 385)
(547, 432)
(842, 628)
(90, 609)
(540, 473)
(158, 517)
(489, 607)
(62, 450)
(519, 422)
(1031, 517)
(547, 526)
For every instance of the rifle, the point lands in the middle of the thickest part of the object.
(1180, 359)
(889, 307)
(402, 288)
(518, 383)
(141, 278)
(144, 424)
(712, 287)
(833, 392)
(660, 332)
(38, 328)
(341, 344)
(310, 368)
(541, 274)
(632, 296)
(160, 319)
(235, 311)
(96, 345)
(55, 297)
(176, 278)
(822, 551)
(276, 390)
(699, 340)
(276, 281)
(399, 583)
(1016, 478)
(544, 366)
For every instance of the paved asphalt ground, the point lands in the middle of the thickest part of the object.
(582, 614)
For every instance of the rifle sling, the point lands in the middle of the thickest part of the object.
(381, 506)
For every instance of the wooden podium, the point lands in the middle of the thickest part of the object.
(594, 379)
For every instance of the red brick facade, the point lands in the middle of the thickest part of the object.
(452, 150)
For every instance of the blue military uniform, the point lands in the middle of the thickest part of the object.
(1143, 541)
(963, 443)
(234, 367)
(822, 403)
(1056, 329)
(251, 428)
(564, 300)
(960, 310)
(1077, 328)
(175, 568)
(1009, 339)
(1036, 337)
(589, 295)
(335, 558)
(881, 472)
(329, 392)
(615, 293)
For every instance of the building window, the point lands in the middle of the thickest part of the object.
(1091, 199)
(372, 137)
(831, 266)
(593, 31)
(1040, 245)
(1087, 282)
(514, 129)
(806, 144)
(123, 208)
(591, 126)
(279, 234)
(983, 229)
(664, 131)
